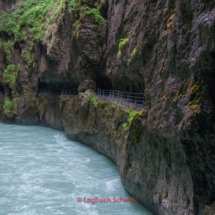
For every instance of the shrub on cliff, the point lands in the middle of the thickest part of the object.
(39, 15)
(10, 107)
(10, 75)
(82, 10)
(36, 15)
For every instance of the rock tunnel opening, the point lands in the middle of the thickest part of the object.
(103, 82)
(56, 88)
(127, 94)
(135, 87)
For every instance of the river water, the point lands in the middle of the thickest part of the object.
(42, 172)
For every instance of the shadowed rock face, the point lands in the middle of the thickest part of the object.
(169, 55)
(5, 5)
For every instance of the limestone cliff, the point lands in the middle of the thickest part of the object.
(166, 153)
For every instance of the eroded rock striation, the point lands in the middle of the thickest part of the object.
(166, 152)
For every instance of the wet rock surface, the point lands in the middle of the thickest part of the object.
(169, 55)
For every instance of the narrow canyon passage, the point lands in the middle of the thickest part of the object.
(42, 172)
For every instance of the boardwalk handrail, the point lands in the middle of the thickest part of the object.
(72, 91)
(129, 99)
(46, 90)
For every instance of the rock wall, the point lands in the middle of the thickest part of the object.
(162, 48)
(153, 168)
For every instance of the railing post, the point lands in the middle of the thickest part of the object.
(136, 100)
(121, 98)
(118, 96)
(128, 99)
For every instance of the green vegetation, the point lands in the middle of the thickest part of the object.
(35, 20)
(134, 117)
(77, 26)
(89, 98)
(38, 102)
(133, 53)
(39, 17)
(10, 75)
(94, 100)
(8, 48)
(103, 103)
(122, 44)
(83, 10)
(26, 56)
(10, 107)
(130, 129)
(31, 15)
(135, 50)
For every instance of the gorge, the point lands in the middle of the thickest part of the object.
(165, 152)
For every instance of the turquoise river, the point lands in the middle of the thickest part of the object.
(42, 172)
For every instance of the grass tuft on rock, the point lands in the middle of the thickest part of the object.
(122, 44)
